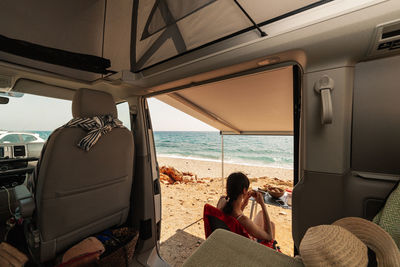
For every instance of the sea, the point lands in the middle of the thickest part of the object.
(269, 151)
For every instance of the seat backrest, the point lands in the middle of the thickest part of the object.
(80, 192)
(215, 219)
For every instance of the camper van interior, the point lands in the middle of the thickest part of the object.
(326, 72)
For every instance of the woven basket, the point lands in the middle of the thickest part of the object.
(124, 254)
(276, 194)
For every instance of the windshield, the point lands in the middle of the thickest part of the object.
(29, 120)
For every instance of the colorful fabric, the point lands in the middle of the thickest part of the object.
(87, 247)
(96, 127)
(389, 216)
(232, 223)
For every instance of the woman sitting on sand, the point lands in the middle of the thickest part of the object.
(262, 228)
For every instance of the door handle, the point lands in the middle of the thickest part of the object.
(324, 87)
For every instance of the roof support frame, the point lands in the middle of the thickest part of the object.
(262, 33)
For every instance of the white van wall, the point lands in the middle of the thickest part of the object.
(327, 147)
(318, 197)
(362, 137)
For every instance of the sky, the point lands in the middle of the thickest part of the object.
(167, 118)
(36, 113)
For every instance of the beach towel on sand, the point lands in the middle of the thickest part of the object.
(389, 216)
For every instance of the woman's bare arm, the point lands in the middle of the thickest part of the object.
(267, 221)
(255, 230)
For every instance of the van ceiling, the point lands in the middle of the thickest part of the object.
(132, 34)
(91, 27)
(338, 33)
(169, 28)
(256, 103)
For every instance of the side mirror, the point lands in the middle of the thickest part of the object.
(4, 100)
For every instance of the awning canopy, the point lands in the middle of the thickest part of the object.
(258, 103)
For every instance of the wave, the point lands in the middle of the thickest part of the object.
(289, 167)
(270, 151)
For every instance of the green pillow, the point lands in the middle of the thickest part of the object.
(389, 216)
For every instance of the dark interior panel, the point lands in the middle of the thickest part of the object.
(317, 199)
(376, 116)
(364, 197)
(322, 198)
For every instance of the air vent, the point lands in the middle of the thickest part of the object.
(19, 151)
(386, 39)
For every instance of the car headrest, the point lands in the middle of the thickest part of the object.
(90, 103)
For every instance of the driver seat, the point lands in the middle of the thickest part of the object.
(79, 193)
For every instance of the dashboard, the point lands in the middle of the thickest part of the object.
(14, 165)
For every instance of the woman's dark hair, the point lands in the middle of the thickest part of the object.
(235, 184)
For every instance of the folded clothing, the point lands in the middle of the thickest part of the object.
(10, 256)
(89, 248)
(109, 248)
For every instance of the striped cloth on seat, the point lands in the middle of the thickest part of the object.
(96, 127)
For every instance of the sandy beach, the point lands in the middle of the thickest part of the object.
(182, 227)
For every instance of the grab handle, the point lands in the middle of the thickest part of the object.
(324, 86)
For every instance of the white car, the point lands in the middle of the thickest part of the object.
(19, 137)
(33, 142)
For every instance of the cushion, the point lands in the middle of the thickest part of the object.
(389, 216)
(224, 248)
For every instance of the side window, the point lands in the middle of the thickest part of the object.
(10, 138)
(28, 138)
(124, 114)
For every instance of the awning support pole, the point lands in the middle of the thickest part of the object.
(262, 33)
(222, 161)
